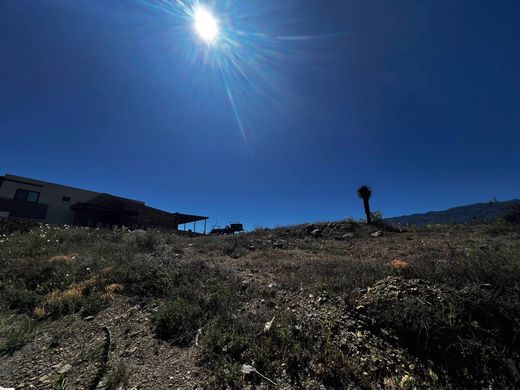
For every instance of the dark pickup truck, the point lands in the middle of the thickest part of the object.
(232, 228)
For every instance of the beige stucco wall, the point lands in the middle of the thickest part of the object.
(51, 194)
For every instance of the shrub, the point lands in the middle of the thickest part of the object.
(377, 217)
(16, 336)
(117, 378)
(289, 348)
(468, 331)
(191, 306)
(513, 214)
(178, 321)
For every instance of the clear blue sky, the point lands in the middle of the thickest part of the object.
(419, 99)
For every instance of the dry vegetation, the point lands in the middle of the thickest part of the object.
(435, 307)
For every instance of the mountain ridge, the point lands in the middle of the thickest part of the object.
(472, 213)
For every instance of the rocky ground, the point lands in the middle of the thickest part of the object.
(332, 305)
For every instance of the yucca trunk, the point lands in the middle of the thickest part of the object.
(367, 210)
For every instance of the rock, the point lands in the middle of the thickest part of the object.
(130, 351)
(44, 379)
(322, 299)
(268, 325)
(309, 228)
(6, 388)
(406, 382)
(89, 318)
(316, 233)
(66, 368)
(379, 233)
(344, 237)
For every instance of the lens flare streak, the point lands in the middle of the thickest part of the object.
(255, 68)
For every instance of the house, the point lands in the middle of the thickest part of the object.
(25, 198)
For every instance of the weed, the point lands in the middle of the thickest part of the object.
(61, 383)
(117, 377)
(513, 214)
(16, 335)
(178, 321)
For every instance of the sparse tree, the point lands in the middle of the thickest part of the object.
(364, 192)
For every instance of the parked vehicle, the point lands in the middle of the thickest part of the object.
(232, 228)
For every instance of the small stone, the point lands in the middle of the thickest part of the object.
(44, 379)
(89, 318)
(66, 368)
(379, 233)
(130, 351)
(316, 232)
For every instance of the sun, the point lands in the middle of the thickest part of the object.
(206, 25)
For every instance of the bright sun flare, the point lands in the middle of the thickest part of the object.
(206, 25)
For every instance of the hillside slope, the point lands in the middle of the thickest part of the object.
(474, 213)
(327, 306)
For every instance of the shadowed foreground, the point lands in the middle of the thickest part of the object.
(337, 305)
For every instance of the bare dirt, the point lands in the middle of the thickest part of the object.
(387, 309)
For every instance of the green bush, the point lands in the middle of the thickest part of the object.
(16, 335)
(231, 341)
(20, 299)
(513, 214)
(178, 321)
(468, 331)
(117, 378)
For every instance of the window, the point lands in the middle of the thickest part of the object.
(27, 196)
(66, 199)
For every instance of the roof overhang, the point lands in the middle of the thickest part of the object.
(187, 218)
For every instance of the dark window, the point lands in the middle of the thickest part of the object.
(66, 199)
(27, 196)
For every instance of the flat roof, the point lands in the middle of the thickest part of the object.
(187, 218)
(104, 200)
(41, 183)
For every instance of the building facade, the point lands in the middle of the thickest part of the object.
(25, 198)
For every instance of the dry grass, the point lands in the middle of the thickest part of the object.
(399, 264)
(229, 287)
(62, 258)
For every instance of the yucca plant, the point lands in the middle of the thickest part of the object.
(364, 192)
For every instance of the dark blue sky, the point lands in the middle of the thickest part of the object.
(419, 99)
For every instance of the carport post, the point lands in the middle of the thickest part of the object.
(205, 226)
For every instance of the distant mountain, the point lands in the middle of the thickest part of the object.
(473, 213)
